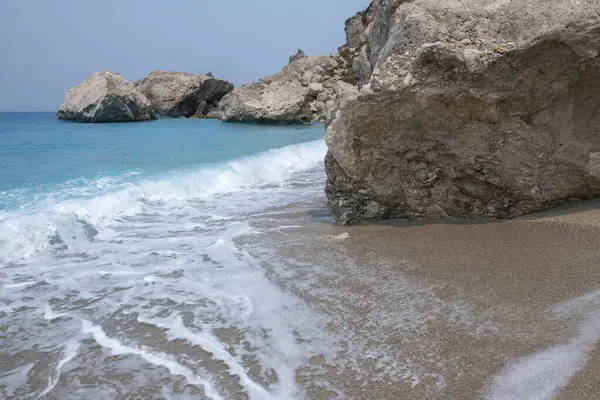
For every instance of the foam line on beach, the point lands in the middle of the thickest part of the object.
(209, 343)
(69, 352)
(161, 360)
(543, 375)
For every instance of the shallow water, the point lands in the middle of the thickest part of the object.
(118, 262)
(188, 259)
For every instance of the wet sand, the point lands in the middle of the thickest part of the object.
(440, 310)
(395, 310)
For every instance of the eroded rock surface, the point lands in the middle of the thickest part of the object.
(183, 94)
(105, 97)
(300, 93)
(473, 109)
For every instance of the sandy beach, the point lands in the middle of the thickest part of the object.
(204, 201)
(279, 303)
(450, 310)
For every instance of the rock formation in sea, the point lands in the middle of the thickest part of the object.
(467, 109)
(182, 94)
(105, 97)
(300, 93)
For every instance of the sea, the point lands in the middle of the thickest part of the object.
(195, 259)
(119, 269)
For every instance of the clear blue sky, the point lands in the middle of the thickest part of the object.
(48, 46)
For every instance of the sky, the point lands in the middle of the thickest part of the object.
(47, 47)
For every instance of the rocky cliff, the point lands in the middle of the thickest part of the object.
(486, 108)
(301, 93)
(182, 94)
(105, 97)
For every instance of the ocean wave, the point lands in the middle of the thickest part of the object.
(77, 212)
(42, 196)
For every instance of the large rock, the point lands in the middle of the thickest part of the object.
(182, 94)
(297, 94)
(475, 108)
(105, 97)
(278, 102)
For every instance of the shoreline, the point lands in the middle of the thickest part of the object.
(447, 308)
(394, 309)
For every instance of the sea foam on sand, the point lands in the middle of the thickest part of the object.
(542, 375)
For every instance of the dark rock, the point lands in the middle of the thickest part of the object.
(182, 94)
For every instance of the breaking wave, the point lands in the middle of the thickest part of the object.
(76, 211)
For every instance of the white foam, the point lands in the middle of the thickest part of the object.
(119, 273)
(41, 196)
(240, 297)
(163, 246)
(25, 232)
(69, 352)
(158, 359)
(284, 227)
(342, 236)
(209, 343)
(19, 285)
(50, 315)
(542, 375)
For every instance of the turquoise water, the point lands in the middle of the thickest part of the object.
(128, 236)
(38, 152)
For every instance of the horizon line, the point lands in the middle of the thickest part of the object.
(27, 111)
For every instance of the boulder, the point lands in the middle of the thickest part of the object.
(323, 97)
(474, 109)
(286, 97)
(315, 88)
(279, 102)
(182, 94)
(105, 97)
